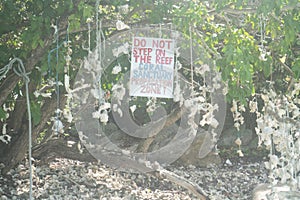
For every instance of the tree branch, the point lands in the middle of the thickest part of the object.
(290, 72)
(36, 54)
(181, 181)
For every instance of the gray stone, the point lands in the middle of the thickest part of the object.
(3, 197)
(275, 192)
(289, 195)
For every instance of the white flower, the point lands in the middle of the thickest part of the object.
(57, 127)
(68, 115)
(121, 25)
(151, 108)
(132, 108)
(89, 20)
(4, 129)
(207, 118)
(268, 130)
(225, 90)
(6, 108)
(234, 106)
(104, 117)
(46, 95)
(36, 94)
(104, 106)
(5, 138)
(118, 92)
(200, 99)
(120, 112)
(116, 69)
(68, 59)
(242, 108)
(178, 64)
(67, 83)
(262, 56)
(263, 53)
(281, 112)
(237, 125)
(214, 123)
(274, 161)
(238, 141)
(265, 98)
(79, 148)
(240, 153)
(58, 111)
(115, 107)
(188, 103)
(253, 106)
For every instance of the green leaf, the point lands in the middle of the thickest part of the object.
(2, 114)
(36, 113)
(296, 69)
(74, 22)
(253, 90)
(41, 42)
(87, 11)
(44, 67)
(266, 70)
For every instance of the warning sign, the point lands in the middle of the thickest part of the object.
(152, 67)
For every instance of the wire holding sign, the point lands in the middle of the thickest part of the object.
(152, 67)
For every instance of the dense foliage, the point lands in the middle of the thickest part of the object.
(255, 43)
(252, 41)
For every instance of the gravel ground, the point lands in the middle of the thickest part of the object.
(69, 179)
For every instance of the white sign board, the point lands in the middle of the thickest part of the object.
(152, 67)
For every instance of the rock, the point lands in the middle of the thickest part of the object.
(69, 179)
(3, 197)
(289, 195)
(228, 162)
(275, 192)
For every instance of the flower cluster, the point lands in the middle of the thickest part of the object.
(278, 129)
(5, 138)
(236, 110)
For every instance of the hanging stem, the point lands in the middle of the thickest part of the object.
(89, 32)
(191, 60)
(57, 79)
(99, 46)
(30, 138)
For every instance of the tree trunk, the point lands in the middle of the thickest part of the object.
(18, 122)
(16, 151)
(14, 124)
